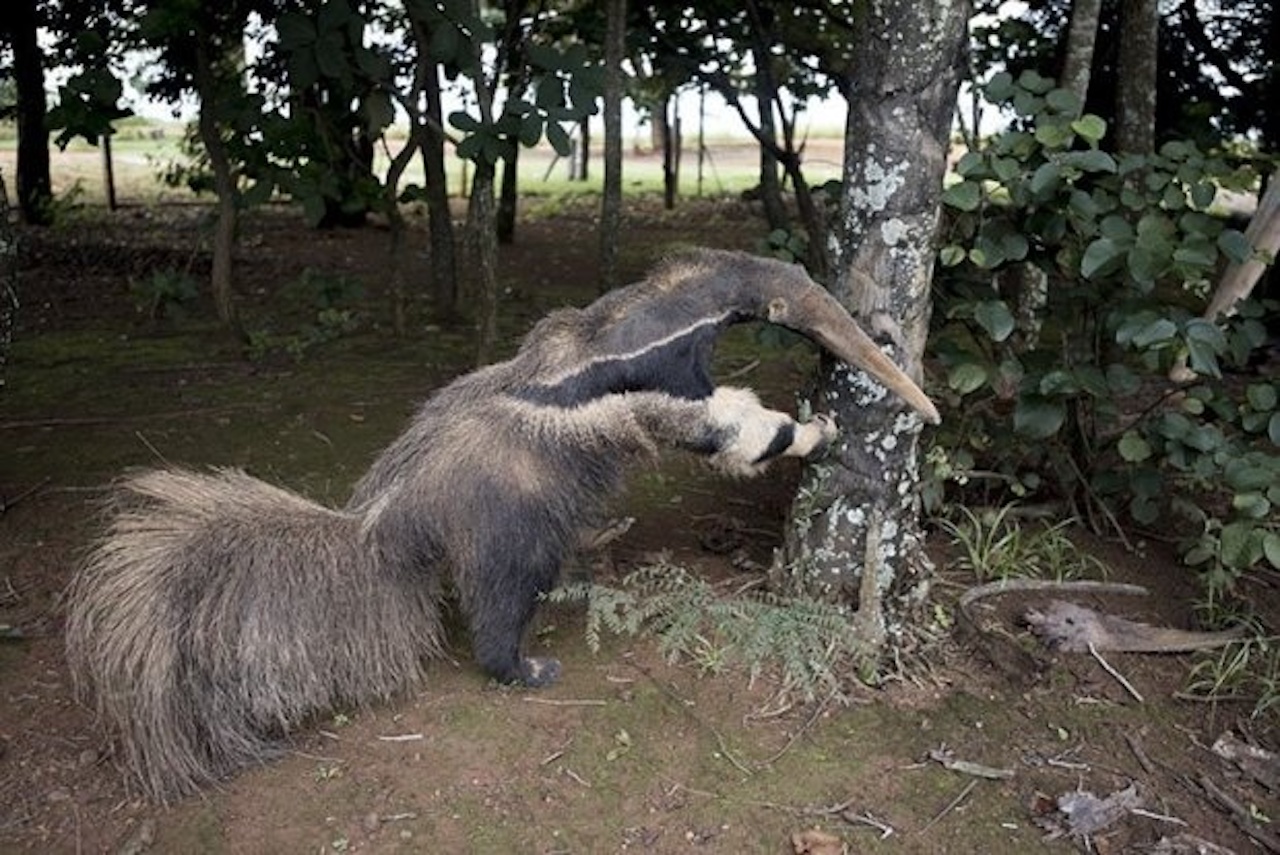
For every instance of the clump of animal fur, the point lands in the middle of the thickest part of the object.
(218, 612)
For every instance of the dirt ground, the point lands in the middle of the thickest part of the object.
(627, 752)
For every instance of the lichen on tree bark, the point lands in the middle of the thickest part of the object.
(865, 494)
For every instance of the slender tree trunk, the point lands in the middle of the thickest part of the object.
(108, 172)
(1082, 34)
(583, 163)
(611, 200)
(766, 92)
(670, 120)
(444, 266)
(483, 245)
(34, 187)
(1136, 74)
(224, 187)
(855, 528)
(396, 228)
(508, 198)
(8, 281)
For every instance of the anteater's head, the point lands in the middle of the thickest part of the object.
(659, 333)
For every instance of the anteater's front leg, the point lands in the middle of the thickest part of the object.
(733, 429)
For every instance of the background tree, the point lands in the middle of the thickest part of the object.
(1136, 73)
(611, 198)
(855, 525)
(1077, 62)
(34, 188)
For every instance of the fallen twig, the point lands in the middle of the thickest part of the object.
(1106, 666)
(402, 737)
(865, 818)
(1239, 814)
(566, 702)
(950, 806)
(6, 504)
(966, 767)
(1136, 747)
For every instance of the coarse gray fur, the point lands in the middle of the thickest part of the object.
(218, 613)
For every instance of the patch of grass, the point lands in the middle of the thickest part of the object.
(994, 544)
(1247, 670)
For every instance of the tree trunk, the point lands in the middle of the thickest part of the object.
(398, 245)
(582, 171)
(108, 172)
(766, 92)
(1081, 36)
(855, 531)
(444, 265)
(8, 281)
(670, 151)
(611, 200)
(483, 248)
(1136, 72)
(34, 187)
(224, 187)
(508, 199)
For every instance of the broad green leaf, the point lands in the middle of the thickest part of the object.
(1241, 545)
(969, 163)
(1006, 168)
(1243, 475)
(1116, 227)
(1273, 429)
(1064, 101)
(1271, 548)
(464, 122)
(1014, 246)
(1202, 193)
(1158, 331)
(1084, 205)
(1144, 509)
(1102, 256)
(994, 317)
(1046, 178)
(966, 377)
(1133, 448)
(1195, 255)
(1261, 396)
(951, 255)
(558, 139)
(1038, 418)
(1000, 87)
(530, 130)
(1053, 134)
(295, 31)
(964, 196)
(1058, 382)
(445, 42)
(1033, 81)
(1093, 160)
(1235, 246)
(1090, 127)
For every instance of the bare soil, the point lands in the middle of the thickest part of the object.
(628, 752)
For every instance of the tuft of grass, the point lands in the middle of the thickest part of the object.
(809, 646)
(1248, 669)
(994, 544)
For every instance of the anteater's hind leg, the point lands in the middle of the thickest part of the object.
(499, 595)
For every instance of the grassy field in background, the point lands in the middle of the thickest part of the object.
(143, 151)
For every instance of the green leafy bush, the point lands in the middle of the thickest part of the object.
(1069, 283)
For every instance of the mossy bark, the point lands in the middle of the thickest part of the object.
(858, 511)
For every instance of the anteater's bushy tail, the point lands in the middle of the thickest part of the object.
(217, 612)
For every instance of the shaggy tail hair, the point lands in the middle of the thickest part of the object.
(219, 612)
